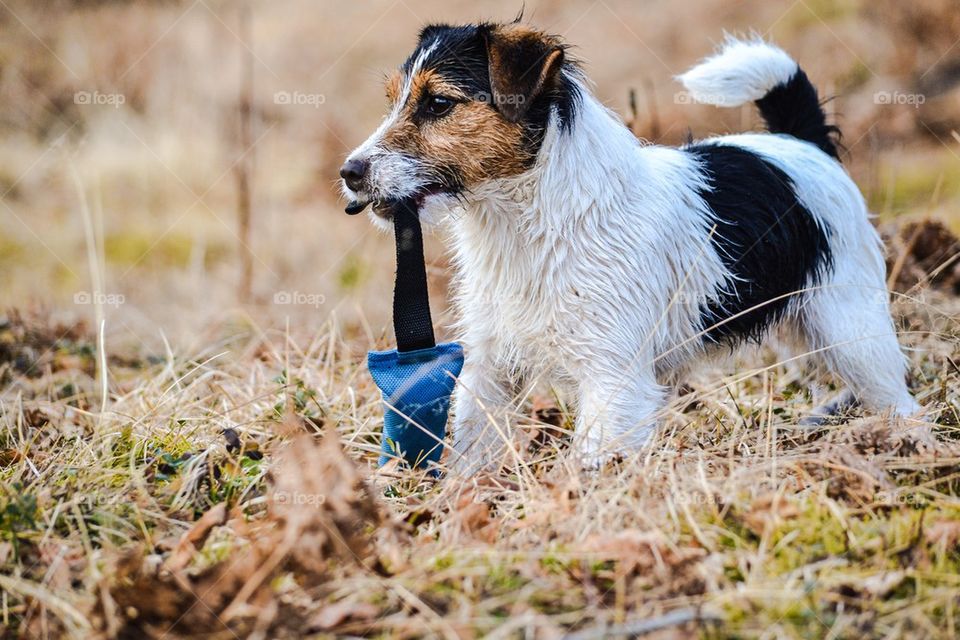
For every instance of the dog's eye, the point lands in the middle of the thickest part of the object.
(438, 106)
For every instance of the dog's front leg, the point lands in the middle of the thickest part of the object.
(618, 411)
(479, 428)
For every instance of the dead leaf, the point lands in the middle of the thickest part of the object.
(9, 457)
(492, 481)
(944, 532)
(192, 540)
(57, 558)
(323, 503)
(639, 552)
(474, 518)
(768, 512)
(335, 615)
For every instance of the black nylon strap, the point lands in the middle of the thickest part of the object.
(411, 303)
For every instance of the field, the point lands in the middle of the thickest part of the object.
(188, 433)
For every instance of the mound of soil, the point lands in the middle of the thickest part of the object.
(921, 253)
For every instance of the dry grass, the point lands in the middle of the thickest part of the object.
(212, 496)
(202, 467)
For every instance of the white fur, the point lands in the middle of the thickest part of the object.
(576, 271)
(741, 72)
(590, 269)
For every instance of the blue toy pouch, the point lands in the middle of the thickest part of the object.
(416, 387)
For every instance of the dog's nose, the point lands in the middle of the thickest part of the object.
(353, 172)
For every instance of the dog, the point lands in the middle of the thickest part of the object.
(611, 266)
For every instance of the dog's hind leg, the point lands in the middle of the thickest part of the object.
(848, 325)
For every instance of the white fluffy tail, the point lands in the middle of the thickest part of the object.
(742, 71)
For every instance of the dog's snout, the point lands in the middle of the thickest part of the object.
(353, 172)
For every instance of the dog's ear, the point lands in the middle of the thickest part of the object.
(523, 63)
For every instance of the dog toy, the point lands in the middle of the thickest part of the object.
(417, 378)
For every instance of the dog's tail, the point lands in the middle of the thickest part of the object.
(753, 70)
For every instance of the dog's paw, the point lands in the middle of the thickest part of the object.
(466, 463)
(594, 456)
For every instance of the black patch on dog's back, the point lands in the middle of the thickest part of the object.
(768, 240)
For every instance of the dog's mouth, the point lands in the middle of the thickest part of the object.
(384, 208)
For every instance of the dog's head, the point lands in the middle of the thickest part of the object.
(471, 104)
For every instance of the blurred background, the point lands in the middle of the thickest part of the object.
(167, 166)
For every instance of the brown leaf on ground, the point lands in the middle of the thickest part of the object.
(641, 552)
(322, 504)
(768, 512)
(9, 457)
(944, 532)
(193, 539)
(492, 481)
(473, 518)
(335, 615)
(58, 558)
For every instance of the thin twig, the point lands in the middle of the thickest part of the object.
(646, 625)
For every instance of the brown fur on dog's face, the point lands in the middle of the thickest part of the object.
(473, 141)
(470, 105)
